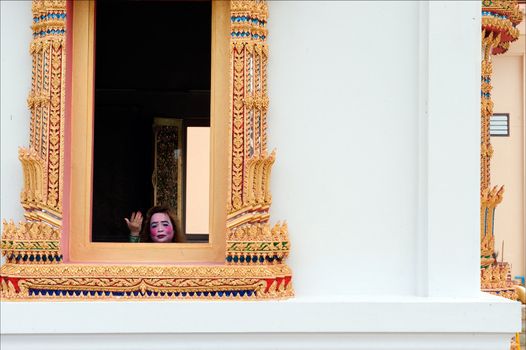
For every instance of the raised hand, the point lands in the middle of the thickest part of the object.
(134, 223)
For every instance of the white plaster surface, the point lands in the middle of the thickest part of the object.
(264, 341)
(302, 314)
(15, 85)
(376, 125)
(260, 341)
(343, 117)
(336, 322)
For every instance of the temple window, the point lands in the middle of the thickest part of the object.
(153, 76)
(152, 100)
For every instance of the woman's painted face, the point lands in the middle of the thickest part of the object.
(161, 228)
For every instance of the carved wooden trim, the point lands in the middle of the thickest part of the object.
(254, 255)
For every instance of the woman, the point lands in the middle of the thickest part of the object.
(159, 227)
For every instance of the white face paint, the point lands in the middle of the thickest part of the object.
(161, 228)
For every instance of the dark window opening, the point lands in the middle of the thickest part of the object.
(152, 60)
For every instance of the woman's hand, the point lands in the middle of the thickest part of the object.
(134, 223)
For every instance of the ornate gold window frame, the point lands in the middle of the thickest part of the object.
(82, 249)
(245, 257)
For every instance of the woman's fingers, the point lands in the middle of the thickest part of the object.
(135, 220)
(131, 225)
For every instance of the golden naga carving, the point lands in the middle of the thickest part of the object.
(490, 198)
(255, 252)
(499, 21)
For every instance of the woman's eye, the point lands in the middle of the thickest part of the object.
(154, 226)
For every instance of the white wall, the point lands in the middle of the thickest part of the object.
(350, 84)
(15, 87)
(345, 97)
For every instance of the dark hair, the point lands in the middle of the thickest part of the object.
(145, 232)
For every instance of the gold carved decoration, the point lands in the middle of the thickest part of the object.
(255, 252)
(250, 100)
(499, 21)
(139, 281)
(250, 238)
(43, 162)
(30, 243)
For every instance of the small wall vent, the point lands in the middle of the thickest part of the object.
(499, 124)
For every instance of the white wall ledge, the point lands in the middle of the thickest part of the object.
(345, 314)
(268, 341)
